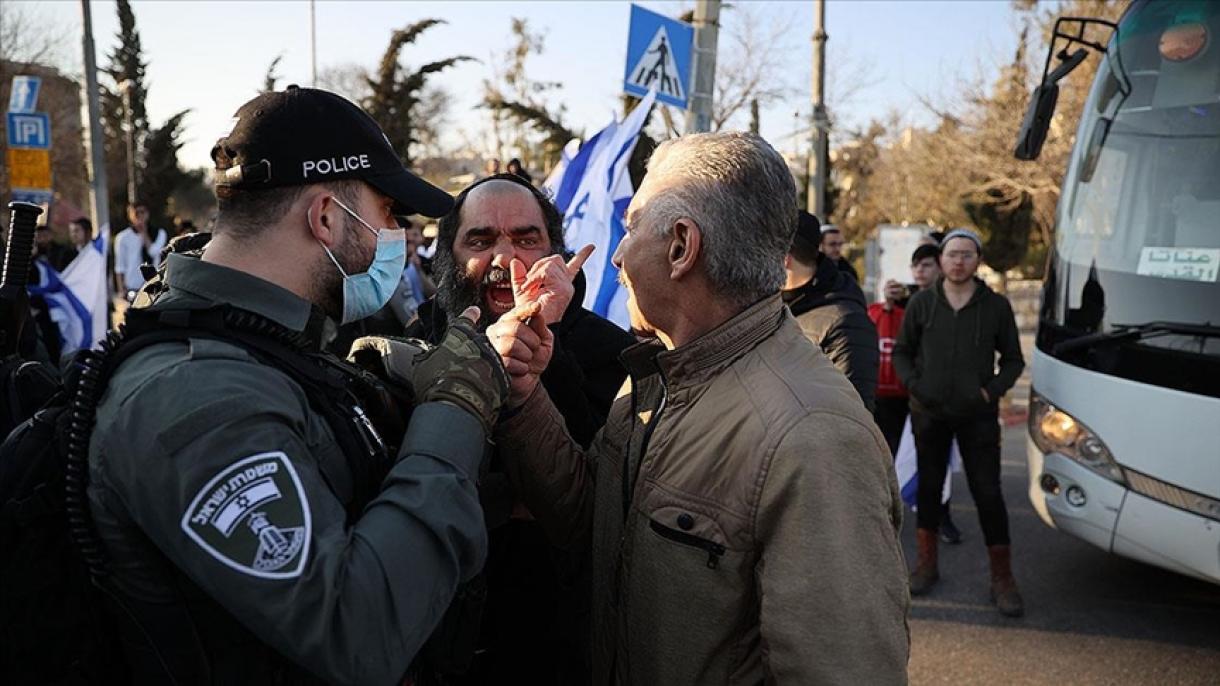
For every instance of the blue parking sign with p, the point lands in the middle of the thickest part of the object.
(29, 130)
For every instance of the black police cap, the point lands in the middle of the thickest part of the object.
(301, 136)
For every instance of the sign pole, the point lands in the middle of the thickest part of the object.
(707, 31)
(98, 193)
(815, 202)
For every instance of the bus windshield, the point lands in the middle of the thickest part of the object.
(1138, 226)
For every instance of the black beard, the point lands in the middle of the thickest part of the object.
(458, 290)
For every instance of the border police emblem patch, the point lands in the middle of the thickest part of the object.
(253, 517)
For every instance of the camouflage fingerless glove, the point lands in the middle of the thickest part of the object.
(464, 370)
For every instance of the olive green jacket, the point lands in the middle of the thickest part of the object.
(742, 511)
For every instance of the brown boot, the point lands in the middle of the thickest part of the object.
(926, 574)
(1003, 586)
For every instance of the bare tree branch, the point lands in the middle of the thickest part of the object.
(752, 67)
(520, 117)
(28, 37)
(349, 80)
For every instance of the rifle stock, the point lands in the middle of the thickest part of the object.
(18, 258)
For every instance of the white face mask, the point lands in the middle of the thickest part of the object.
(365, 293)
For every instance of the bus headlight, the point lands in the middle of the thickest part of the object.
(1054, 430)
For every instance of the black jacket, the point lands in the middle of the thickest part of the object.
(833, 314)
(844, 266)
(945, 358)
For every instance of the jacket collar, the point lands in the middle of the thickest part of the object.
(712, 352)
(214, 283)
(829, 284)
(981, 290)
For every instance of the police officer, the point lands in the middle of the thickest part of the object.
(246, 540)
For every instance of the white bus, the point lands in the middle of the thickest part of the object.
(1124, 422)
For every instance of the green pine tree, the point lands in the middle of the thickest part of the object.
(162, 173)
(397, 95)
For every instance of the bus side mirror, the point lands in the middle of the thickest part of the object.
(1042, 106)
(1037, 122)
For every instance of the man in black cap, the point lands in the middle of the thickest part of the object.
(831, 309)
(264, 519)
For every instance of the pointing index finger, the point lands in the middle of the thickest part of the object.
(578, 260)
(516, 270)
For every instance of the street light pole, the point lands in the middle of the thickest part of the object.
(703, 77)
(98, 193)
(313, 45)
(126, 87)
(820, 130)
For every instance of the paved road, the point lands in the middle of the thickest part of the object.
(1091, 617)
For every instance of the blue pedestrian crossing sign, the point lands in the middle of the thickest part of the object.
(659, 57)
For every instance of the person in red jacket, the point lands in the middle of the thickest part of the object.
(890, 409)
(892, 404)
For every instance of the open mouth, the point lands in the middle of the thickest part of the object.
(499, 298)
(498, 292)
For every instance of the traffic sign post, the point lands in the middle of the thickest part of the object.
(658, 57)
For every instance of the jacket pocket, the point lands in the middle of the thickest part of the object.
(713, 549)
(965, 394)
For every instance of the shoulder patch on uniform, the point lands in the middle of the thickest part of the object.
(253, 516)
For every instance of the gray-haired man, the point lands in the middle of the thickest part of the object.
(733, 539)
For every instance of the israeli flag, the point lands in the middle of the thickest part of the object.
(77, 297)
(592, 189)
(906, 465)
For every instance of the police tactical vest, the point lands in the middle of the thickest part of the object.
(60, 617)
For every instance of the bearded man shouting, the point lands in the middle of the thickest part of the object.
(535, 625)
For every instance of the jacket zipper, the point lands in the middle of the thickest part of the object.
(629, 479)
(714, 550)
